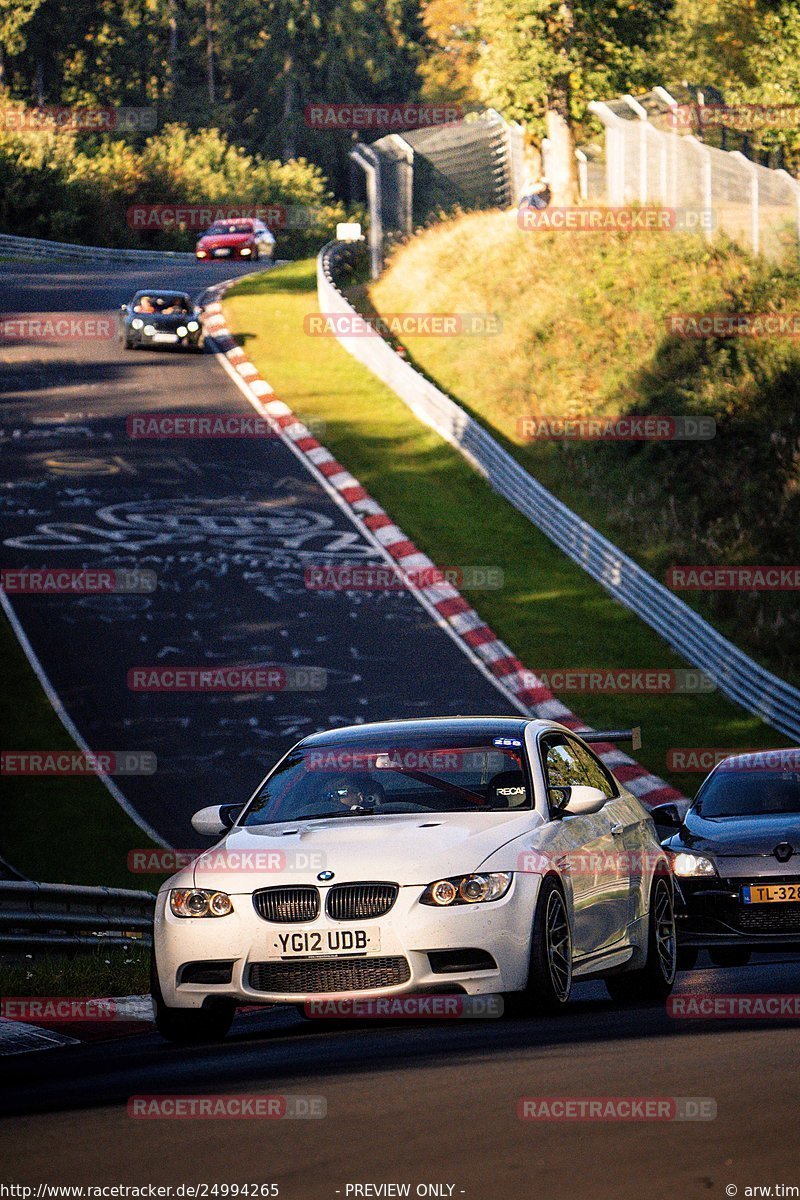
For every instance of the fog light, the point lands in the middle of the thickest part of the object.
(181, 331)
(149, 330)
(193, 327)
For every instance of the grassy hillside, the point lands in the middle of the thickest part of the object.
(584, 334)
(548, 610)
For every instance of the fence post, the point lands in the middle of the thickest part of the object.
(705, 156)
(615, 151)
(641, 113)
(368, 160)
(755, 215)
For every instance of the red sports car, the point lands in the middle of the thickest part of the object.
(236, 239)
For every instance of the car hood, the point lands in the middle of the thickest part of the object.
(739, 836)
(214, 240)
(409, 849)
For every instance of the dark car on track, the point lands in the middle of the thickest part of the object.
(245, 238)
(736, 859)
(161, 318)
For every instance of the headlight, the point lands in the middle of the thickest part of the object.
(691, 866)
(196, 902)
(149, 330)
(137, 323)
(201, 253)
(193, 327)
(467, 889)
(181, 331)
(245, 250)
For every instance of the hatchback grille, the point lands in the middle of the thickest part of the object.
(325, 975)
(287, 904)
(360, 901)
(769, 918)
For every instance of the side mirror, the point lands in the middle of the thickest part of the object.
(577, 800)
(666, 815)
(214, 820)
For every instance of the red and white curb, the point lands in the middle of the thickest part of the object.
(525, 690)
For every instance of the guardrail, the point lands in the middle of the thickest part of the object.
(54, 916)
(735, 674)
(40, 248)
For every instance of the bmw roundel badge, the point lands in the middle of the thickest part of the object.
(324, 876)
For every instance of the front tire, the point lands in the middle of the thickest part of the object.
(550, 972)
(189, 1026)
(652, 983)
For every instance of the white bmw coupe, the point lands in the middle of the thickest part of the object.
(471, 855)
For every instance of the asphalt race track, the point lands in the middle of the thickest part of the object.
(229, 526)
(431, 1102)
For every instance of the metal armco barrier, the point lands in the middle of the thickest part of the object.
(735, 674)
(39, 248)
(54, 916)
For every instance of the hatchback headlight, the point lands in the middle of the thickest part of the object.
(245, 250)
(691, 866)
(137, 323)
(149, 330)
(197, 902)
(467, 889)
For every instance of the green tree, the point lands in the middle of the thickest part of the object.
(542, 61)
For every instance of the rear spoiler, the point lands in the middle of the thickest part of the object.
(634, 736)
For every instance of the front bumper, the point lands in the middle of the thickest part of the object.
(409, 933)
(190, 341)
(710, 912)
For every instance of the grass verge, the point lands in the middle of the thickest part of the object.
(115, 971)
(57, 829)
(550, 613)
(588, 331)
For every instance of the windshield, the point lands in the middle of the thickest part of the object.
(419, 776)
(230, 227)
(749, 792)
(161, 302)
